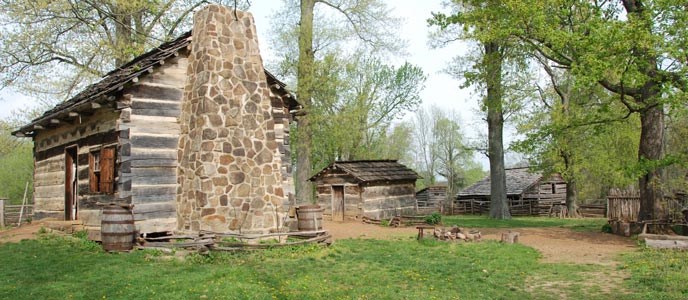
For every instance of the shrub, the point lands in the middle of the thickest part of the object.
(434, 218)
(607, 228)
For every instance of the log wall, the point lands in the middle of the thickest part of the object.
(352, 195)
(432, 196)
(539, 200)
(89, 130)
(384, 201)
(149, 150)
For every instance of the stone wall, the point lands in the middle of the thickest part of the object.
(229, 164)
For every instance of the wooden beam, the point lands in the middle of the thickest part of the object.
(54, 122)
(38, 127)
(122, 104)
(73, 114)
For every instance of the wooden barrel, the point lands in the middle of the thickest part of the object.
(117, 228)
(310, 217)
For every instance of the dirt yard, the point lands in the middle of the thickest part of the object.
(557, 245)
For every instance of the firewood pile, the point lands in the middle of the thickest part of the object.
(455, 233)
(206, 241)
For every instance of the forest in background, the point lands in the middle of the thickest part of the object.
(570, 78)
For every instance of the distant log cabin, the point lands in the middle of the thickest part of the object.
(372, 189)
(528, 193)
(118, 141)
(432, 198)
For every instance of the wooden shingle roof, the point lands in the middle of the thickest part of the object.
(371, 170)
(518, 180)
(115, 80)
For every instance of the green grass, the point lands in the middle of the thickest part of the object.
(658, 274)
(59, 268)
(587, 224)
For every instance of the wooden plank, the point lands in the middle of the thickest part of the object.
(157, 112)
(666, 244)
(151, 176)
(155, 141)
(160, 92)
(146, 153)
(156, 163)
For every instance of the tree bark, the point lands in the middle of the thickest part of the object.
(492, 62)
(304, 91)
(651, 149)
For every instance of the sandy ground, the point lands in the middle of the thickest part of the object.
(16, 234)
(556, 244)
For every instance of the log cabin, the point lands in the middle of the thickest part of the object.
(194, 134)
(528, 193)
(372, 189)
(432, 198)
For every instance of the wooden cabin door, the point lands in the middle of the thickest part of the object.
(337, 203)
(70, 183)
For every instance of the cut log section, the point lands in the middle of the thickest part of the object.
(510, 237)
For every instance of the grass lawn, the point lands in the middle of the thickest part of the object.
(587, 224)
(70, 268)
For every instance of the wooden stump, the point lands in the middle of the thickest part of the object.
(510, 237)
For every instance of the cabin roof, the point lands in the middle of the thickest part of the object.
(115, 80)
(371, 170)
(434, 187)
(518, 180)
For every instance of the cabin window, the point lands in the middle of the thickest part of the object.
(101, 170)
(554, 188)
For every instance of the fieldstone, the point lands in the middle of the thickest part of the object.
(209, 134)
(236, 177)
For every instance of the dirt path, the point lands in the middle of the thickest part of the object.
(557, 245)
(16, 234)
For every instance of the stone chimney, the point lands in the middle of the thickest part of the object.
(229, 165)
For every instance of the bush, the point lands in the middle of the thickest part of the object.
(607, 228)
(434, 218)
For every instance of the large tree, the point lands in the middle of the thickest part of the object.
(476, 20)
(67, 44)
(332, 23)
(635, 49)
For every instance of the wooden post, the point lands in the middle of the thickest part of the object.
(21, 210)
(2, 212)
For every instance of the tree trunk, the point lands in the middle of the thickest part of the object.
(572, 199)
(123, 34)
(651, 148)
(570, 178)
(305, 74)
(492, 62)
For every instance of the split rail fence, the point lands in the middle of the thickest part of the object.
(10, 214)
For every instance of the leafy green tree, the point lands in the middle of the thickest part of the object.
(16, 165)
(440, 150)
(67, 44)
(634, 49)
(477, 20)
(368, 22)
(359, 102)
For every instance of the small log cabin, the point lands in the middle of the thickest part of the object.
(138, 137)
(372, 189)
(432, 198)
(528, 193)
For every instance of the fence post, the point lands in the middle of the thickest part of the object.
(2, 212)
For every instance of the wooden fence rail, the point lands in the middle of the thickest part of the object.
(9, 214)
(625, 206)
